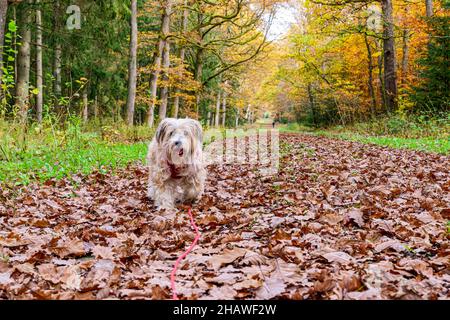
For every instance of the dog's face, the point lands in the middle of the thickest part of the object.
(179, 139)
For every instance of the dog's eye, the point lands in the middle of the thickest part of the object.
(171, 133)
(185, 133)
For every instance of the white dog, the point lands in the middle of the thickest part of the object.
(175, 159)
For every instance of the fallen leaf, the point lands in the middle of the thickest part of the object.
(338, 256)
(229, 256)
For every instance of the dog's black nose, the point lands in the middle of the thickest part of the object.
(177, 143)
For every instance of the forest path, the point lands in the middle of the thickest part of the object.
(340, 220)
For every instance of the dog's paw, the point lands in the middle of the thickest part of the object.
(165, 207)
(151, 191)
(161, 223)
(166, 211)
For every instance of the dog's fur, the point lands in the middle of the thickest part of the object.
(175, 160)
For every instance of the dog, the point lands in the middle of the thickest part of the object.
(175, 159)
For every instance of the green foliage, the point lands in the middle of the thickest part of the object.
(437, 145)
(9, 53)
(434, 91)
(44, 152)
(292, 127)
(406, 126)
(417, 132)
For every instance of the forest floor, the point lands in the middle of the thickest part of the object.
(340, 220)
(437, 141)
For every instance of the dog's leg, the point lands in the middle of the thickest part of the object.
(195, 187)
(151, 191)
(163, 197)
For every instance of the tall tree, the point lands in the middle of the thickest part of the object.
(165, 80)
(85, 106)
(176, 101)
(39, 71)
(429, 8)
(23, 60)
(132, 68)
(405, 55)
(224, 108)
(390, 66)
(57, 50)
(164, 32)
(217, 109)
(370, 72)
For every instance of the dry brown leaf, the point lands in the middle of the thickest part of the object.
(73, 247)
(247, 284)
(49, 272)
(228, 256)
(271, 287)
(71, 278)
(103, 252)
(338, 256)
(390, 244)
(356, 216)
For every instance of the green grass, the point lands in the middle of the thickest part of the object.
(436, 145)
(65, 162)
(44, 152)
(264, 121)
(293, 127)
(397, 131)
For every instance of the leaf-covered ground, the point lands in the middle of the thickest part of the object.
(341, 220)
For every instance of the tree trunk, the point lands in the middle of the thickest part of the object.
(165, 28)
(165, 79)
(3, 13)
(198, 77)
(132, 67)
(405, 49)
(311, 104)
(154, 83)
(176, 102)
(208, 118)
(217, 109)
(380, 73)
(23, 62)
(370, 80)
(390, 78)
(39, 71)
(85, 105)
(429, 13)
(57, 70)
(237, 120)
(429, 8)
(224, 109)
(96, 107)
(57, 58)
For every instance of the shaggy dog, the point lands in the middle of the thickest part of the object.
(175, 159)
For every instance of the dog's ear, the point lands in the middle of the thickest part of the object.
(161, 130)
(197, 129)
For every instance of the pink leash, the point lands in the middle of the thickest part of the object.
(175, 267)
